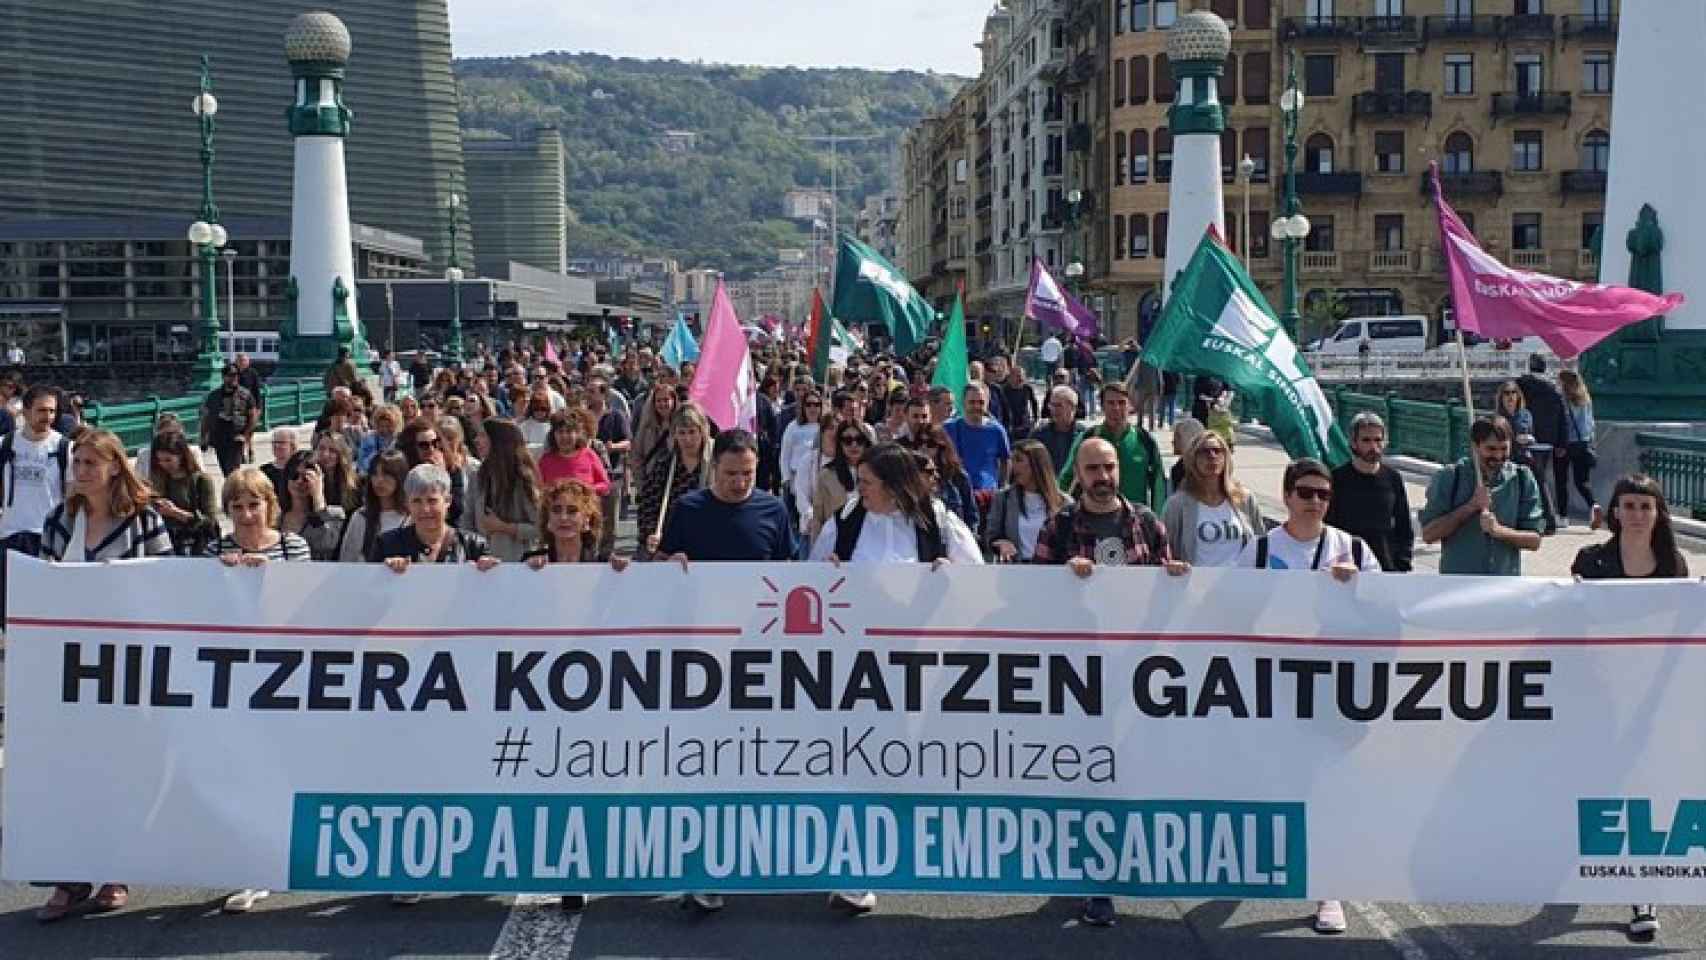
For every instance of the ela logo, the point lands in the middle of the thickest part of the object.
(1619, 826)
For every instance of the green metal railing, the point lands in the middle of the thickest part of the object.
(1679, 465)
(1427, 431)
(286, 403)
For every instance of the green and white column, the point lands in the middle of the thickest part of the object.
(322, 292)
(1196, 51)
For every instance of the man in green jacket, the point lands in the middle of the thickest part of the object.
(1141, 478)
(1485, 509)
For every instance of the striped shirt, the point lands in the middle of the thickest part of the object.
(290, 548)
(142, 534)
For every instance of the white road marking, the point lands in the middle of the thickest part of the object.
(537, 929)
(1388, 928)
(1459, 947)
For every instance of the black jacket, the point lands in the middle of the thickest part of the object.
(1546, 404)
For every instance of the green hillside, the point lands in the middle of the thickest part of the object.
(720, 206)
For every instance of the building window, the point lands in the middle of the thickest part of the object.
(1459, 153)
(1226, 10)
(1139, 15)
(1139, 80)
(1388, 8)
(1596, 9)
(1320, 239)
(1389, 232)
(1259, 234)
(1166, 12)
(1229, 80)
(1389, 151)
(1389, 72)
(1257, 15)
(1119, 158)
(1119, 17)
(1596, 72)
(1119, 83)
(1592, 224)
(1119, 236)
(1459, 9)
(1228, 155)
(1256, 148)
(1525, 231)
(1160, 244)
(1459, 74)
(1529, 82)
(1139, 236)
(1139, 156)
(1526, 152)
(1318, 154)
(1163, 155)
(1529, 8)
(1596, 151)
(1319, 10)
(1257, 76)
(1318, 70)
(1163, 80)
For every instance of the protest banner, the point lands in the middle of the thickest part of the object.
(1235, 734)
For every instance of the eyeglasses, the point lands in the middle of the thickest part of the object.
(1322, 494)
(853, 438)
(1510, 393)
(928, 470)
(1211, 453)
(432, 444)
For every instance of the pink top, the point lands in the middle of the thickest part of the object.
(584, 466)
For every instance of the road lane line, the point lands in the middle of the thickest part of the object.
(537, 928)
(1458, 946)
(1388, 928)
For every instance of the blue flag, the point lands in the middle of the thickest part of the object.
(680, 346)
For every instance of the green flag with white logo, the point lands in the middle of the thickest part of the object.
(952, 367)
(1217, 322)
(868, 289)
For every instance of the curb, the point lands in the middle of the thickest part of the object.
(1425, 469)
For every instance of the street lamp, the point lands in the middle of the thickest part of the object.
(231, 295)
(1293, 226)
(1246, 172)
(454, 275)
(206, 236)
(1074, 267)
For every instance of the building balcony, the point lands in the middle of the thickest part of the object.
(1319, 261)
(1530, 26)
(1393, 103)
(1462, 28)
(1392, 261)
(1587, 264)
(1582, 181)
(1477, 183)
(1590, 28)
(1391, 31)
(1531, 104)
(1329, 184)
(1052, 223)
(1529, 259)
(1054, 114)
(1319, 28)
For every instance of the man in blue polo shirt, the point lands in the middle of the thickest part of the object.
(981, 443)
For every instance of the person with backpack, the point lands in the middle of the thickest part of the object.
(1483, 509)
(1142, 479)
(1305, 541)
(35, 463)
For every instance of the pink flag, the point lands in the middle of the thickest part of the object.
(724, 386)
(1497, 301)
(551, 349)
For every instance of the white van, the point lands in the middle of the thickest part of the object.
(1401, 334)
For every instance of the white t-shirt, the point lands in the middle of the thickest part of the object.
(891, 538)
(33, 484)
(1221, 534)
(1030, 524)
(1286, 552)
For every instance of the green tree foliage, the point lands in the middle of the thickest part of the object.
(719, 206)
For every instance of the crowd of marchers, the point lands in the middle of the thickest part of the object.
(530, 456)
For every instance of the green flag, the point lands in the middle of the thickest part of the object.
(952, 366)
(868, 289)
(1216, 322)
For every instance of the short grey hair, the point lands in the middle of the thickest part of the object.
(424, 479)
(1367, 418)
(1061, 390)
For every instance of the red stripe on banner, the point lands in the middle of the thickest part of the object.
(399, 632)
(1068, 636)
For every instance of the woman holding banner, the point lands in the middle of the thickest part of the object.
(105, 516)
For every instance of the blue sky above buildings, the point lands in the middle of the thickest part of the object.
(880, 34)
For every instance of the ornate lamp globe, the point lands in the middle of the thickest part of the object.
(317, 37)
(1199, 35)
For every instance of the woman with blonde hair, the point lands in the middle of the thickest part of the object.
(105, 516)
(252, 504)
(571, 517)
(685, 468)
(1211, 516)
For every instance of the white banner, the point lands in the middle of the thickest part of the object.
(1231, 734)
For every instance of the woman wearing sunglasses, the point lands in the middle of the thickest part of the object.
(846, 445)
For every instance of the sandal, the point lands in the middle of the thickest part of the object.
(111, 896)
(67, 899)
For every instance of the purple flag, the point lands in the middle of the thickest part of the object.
(1047, 303)
(1497, 301)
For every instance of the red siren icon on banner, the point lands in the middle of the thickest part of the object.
(802, 612)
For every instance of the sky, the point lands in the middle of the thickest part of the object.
(880, 34)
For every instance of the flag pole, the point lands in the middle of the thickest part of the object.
(1018, 338)
(1463, 367)
(663, 507)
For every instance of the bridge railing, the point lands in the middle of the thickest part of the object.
(1427, 431)
(1427, 365)
(286, 403)
(1679, 465)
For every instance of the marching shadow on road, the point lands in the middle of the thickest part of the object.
(178, 923)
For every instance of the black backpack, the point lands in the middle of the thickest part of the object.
(61, 452)
(1262, 551)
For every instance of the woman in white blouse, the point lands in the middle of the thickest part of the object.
(895, 519)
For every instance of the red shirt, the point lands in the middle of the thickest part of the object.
(584, 466)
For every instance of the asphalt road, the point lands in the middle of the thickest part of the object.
(171, 923)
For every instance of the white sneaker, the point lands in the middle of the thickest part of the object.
(406, 899)
(244, 900)
(853, 901)
(1644, 925)
(1330, 917)
(702, 902)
